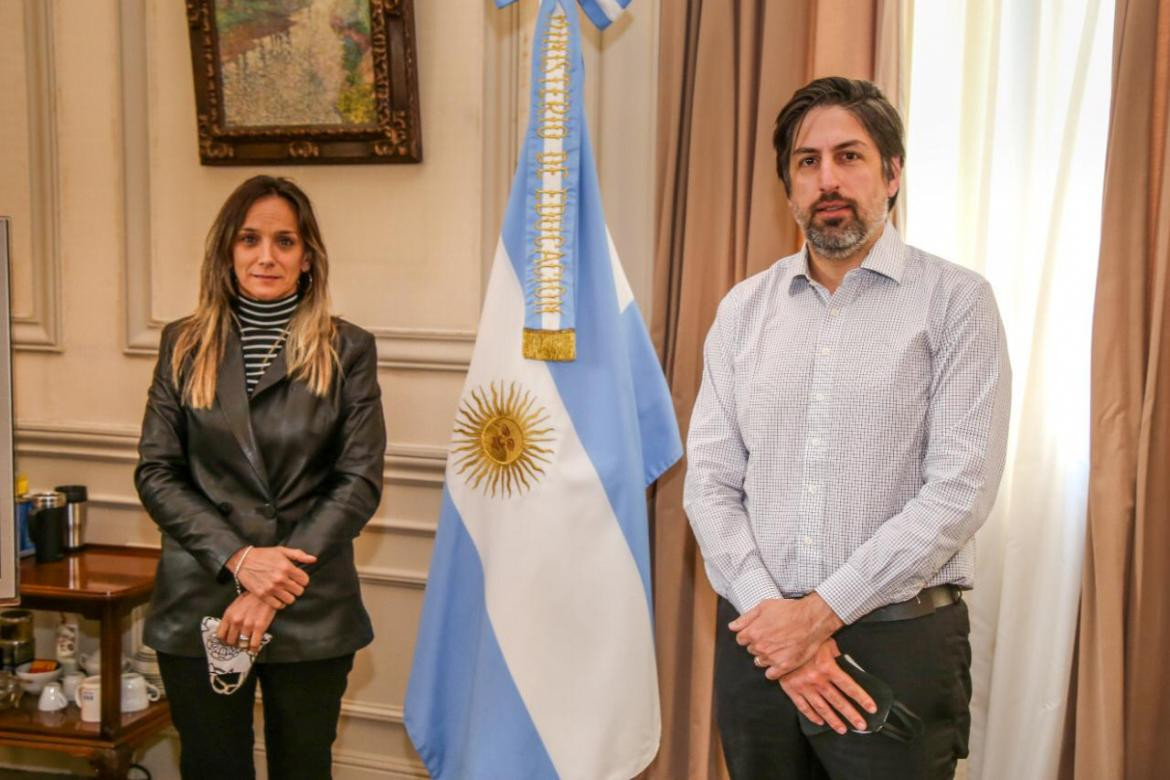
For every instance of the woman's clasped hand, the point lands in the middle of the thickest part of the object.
(271, 580)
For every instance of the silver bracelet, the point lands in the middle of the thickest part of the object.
(239, 565)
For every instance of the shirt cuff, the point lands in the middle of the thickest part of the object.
(849, 594)
(752, 587)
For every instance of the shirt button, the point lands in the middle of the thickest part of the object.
(818, 396)
(814, 441)
(826, 351)
(807, 539)
(813, 488)
(268, 510)
(834, 312)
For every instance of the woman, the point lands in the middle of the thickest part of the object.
(261, 460)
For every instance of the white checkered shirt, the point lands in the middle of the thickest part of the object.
(849, 443)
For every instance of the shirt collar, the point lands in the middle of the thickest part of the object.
(886, 257)
(268, 314)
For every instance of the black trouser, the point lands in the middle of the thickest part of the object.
(927, 662)
(302, 703)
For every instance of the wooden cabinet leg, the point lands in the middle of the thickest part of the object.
(111, 764)
(111, 689)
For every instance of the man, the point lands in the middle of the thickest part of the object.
(846, 443)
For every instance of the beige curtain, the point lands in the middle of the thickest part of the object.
(1122, 706)
(726, 67)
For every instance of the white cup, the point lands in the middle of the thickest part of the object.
(92, 662)
(52, 698)
(89, 699)
(69, 684)
(137, 693)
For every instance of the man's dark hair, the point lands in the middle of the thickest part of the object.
(862, 99)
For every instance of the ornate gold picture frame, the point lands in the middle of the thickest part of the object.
(281, 82)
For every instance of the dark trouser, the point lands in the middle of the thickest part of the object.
(302, 702)
(927, 663)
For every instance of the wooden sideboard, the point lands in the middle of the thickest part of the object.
(102, 583)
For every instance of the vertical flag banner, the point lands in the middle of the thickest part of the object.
(535, 650)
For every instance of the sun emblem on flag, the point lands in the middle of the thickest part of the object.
(502, 439)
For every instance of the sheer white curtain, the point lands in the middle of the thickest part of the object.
(1007, 120)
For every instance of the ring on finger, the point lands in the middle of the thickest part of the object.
(759, 661)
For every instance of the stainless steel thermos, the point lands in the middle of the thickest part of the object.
(75, 498)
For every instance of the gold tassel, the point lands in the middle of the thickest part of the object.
(560, 345)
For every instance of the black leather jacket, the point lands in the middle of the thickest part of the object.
(285, 467)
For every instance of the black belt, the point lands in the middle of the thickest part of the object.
(925, 603)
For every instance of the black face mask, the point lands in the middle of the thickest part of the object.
(892, 719)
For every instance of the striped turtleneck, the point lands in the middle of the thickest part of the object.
(262, 332)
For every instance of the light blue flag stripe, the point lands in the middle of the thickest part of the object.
(474, 703)
(661, 447)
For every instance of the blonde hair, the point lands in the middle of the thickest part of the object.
(202, 337)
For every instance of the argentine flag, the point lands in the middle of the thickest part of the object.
(535, 650)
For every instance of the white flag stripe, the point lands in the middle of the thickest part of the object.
(625, 294)
(610, 8)
(556, 613)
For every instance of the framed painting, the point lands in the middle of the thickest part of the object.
(282, 82)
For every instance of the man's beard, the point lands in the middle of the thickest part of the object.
(836, 242)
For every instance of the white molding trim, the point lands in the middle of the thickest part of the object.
(108, 443)
(502, 123)
(417, 349)
(403, 527)
(142, 329)
(381, 524)
(371, 575)
(365, 710)
(406, 464)
(424, 349)
(388, 766)
(41, 329)
(120, 503)
(392, 577)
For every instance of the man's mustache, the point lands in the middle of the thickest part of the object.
(836, 201)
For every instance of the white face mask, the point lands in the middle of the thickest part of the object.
(227, 666)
